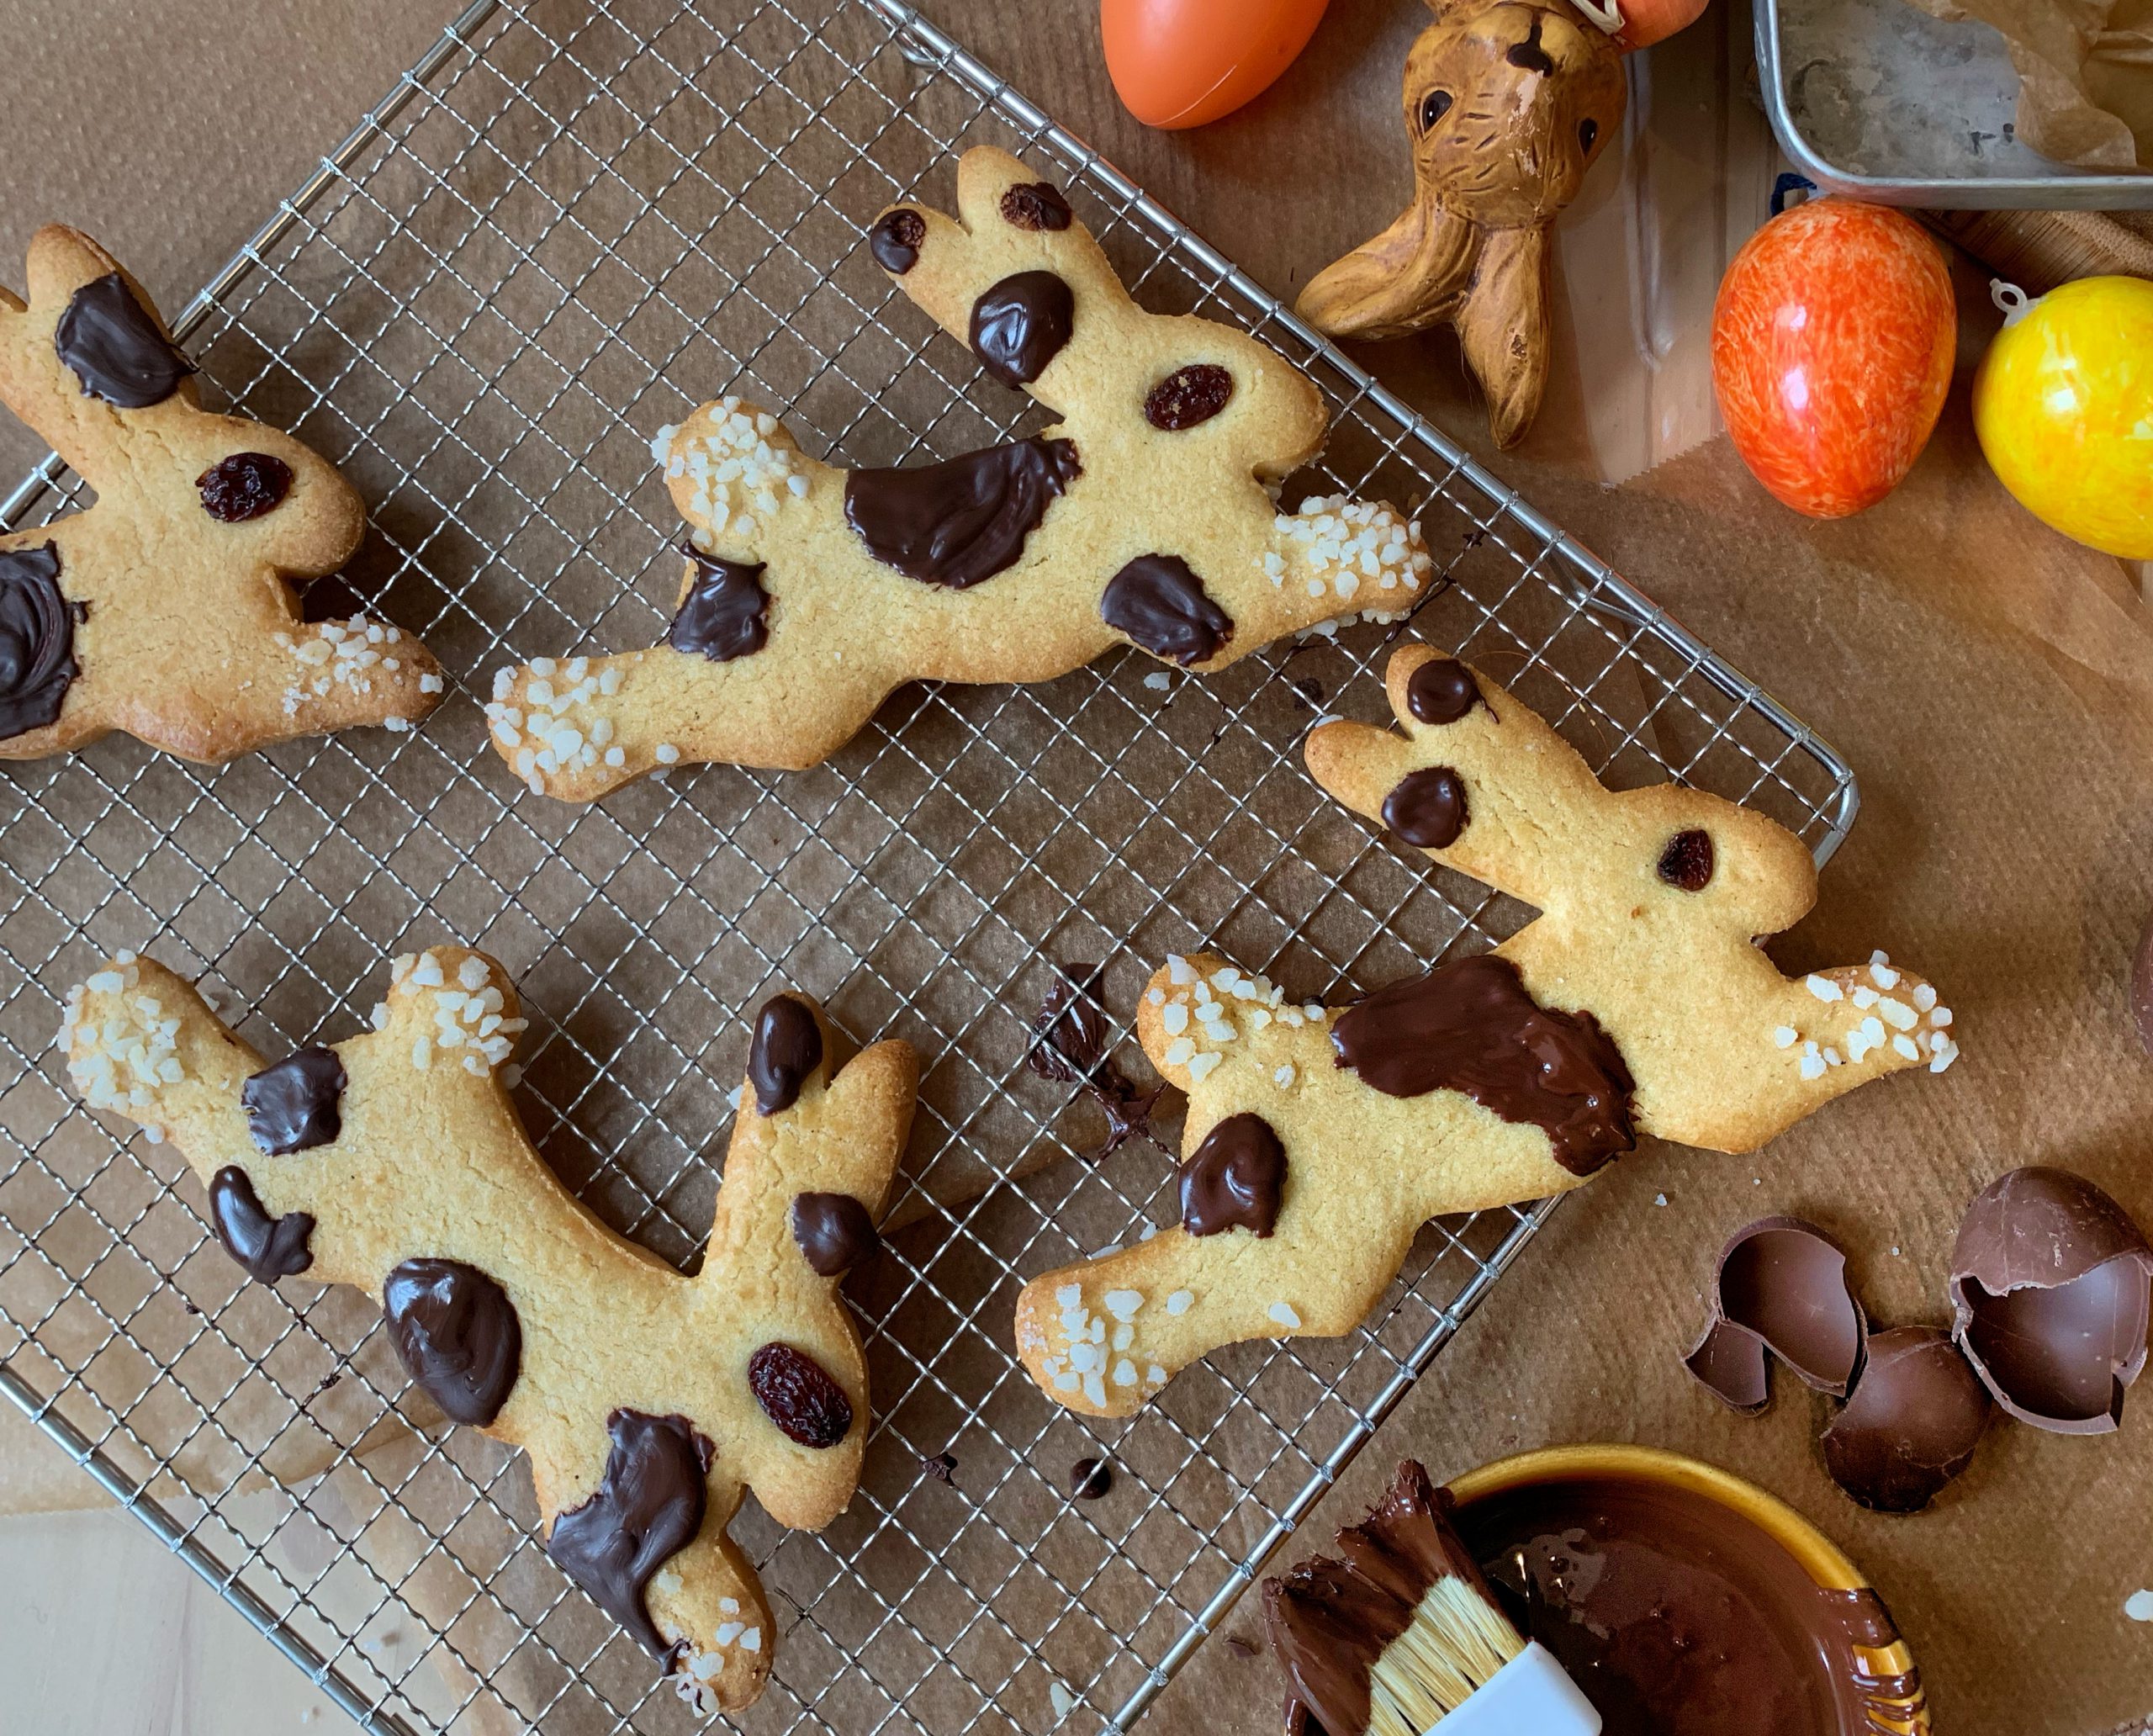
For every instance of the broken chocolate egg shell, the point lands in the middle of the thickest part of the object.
(1730, 1360)
(1782, 1283)
(1912, 1423)
(2050, 1284)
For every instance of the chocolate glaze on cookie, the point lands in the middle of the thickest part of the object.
(725, 613)
(1441, 691)
(244, 485)
(1161, 605)
(293, 1105)
(456, 1334)
(1020, 324)
(269, 1248)
(1035, 205)
(1234, 1180)
(115, 347)
(1188, 397)
(835, 1232)
(648, 1507)
(788, 1046)
(958, 523)
(895, 240)
(1470, 1025)
(1428, 807)
(37, 639)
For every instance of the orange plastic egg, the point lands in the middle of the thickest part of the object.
(1832, 339)
(1180, 63)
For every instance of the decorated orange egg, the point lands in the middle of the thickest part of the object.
(1833, 340)
(1639, 24)
(1180, 63)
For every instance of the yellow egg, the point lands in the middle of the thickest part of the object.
(2064, 407)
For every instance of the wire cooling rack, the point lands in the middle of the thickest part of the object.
(566, 224)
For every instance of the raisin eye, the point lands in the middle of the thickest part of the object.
(1433, 106)
(1687, 861)
(1588, 130)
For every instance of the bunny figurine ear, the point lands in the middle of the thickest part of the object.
(1507, 103)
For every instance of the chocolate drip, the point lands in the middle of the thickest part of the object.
(1162, 607)
(1069, 1047)
(456, 1334)
(1234, 1180)
(1470, 1025)
(835, 1232)
(1090, 1479)
(648, 1507)
(1441, 691)
(788, 1046)
(1329, 1620)
(1428, 807)
(895, 240)
(1035, 205)
(1019, 325)
(724, 614)
(1687, 861)
(958, 523)
(293, 1105)
(116, 347)
(244, 486)
(269, 1248)
(37, 639)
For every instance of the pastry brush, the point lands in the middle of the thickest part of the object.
(1403, 1637)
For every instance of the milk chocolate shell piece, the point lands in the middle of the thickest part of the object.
(1730, 1360)
(1782, 1283)
(1911, 1425)
(2051, 1282)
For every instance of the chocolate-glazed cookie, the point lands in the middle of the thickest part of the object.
(787, 1047)
(37, 639)
(648, 1505)
(295, 1105)
(456, 1334)
(958, 523)
(1163, 608)
(268, 1248)
(1020, 326)
(115, 347)
(724, 613)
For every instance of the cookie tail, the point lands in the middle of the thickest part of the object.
(141, 1042)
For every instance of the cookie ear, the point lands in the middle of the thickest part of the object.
(1402, 281)
(1502, 326)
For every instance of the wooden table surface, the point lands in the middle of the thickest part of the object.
(170, 145)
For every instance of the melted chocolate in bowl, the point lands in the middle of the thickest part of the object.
(1674, 1614)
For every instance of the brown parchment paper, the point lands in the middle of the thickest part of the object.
(2085, 72)
(1991, 682)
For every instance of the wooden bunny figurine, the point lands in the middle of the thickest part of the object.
(1507, 103)
(1319, 1138)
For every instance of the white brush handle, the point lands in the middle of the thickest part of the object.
(1530, 1696)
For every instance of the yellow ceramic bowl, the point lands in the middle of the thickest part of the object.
(1887, 1680)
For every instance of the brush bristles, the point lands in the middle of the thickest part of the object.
(1457, 1642)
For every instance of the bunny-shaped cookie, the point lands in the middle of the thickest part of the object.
(1319, 1140)
(1143, 515)
(1507, 103)
(163, 610)
(649, 1403)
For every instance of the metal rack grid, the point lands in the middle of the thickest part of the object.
(567, 221)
